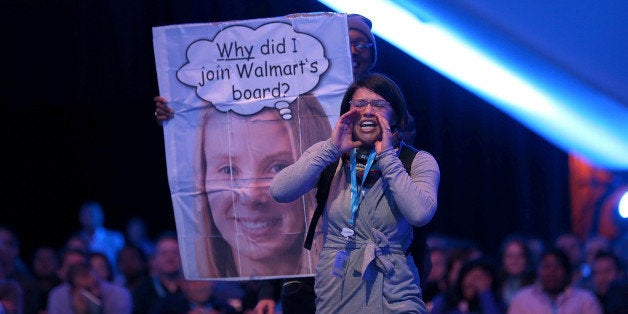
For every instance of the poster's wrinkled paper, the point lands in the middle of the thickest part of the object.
(249, 97)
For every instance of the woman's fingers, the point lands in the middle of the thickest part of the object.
(162, 111)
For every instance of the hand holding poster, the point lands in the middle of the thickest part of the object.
(249, 97)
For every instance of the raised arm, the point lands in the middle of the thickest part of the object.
(415, 194)
(302, 176)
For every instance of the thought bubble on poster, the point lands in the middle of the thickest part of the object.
(244, 69)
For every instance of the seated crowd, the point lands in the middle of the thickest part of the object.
(527, 275)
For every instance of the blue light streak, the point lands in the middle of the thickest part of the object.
(569, 114)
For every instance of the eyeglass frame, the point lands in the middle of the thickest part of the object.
(376, 103)
(361, 46)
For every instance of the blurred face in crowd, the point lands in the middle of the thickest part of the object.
(167, 260)
(130, 262)
(552, 275)
(593, 246)
(91, 216)
(438, 259)
(70, 259)
(514, 258)
(136, 230)
(604, 272)
(474, 282)
(9, 248)
(100, 266)
(84, 279)
(45, 262)
(83, 282)
(570, 244)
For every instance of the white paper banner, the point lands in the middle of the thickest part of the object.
(249, 97)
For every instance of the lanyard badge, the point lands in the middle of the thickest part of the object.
(355, 190)
(340, 262)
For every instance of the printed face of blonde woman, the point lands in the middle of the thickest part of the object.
(242, 156)
(367, 129)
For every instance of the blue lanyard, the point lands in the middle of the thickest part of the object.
(355, 192)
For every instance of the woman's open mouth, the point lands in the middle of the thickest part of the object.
(368, 126)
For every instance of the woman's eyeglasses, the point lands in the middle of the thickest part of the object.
(361, 45)
(377, 103)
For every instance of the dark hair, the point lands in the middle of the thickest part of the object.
(167, 235)
(364, 18)
(135, 248)
(385, 87)
(15, 242)
(69, 251)
(455, 294)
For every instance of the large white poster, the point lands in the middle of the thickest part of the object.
(249, 97)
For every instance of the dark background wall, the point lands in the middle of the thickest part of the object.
(78, 124)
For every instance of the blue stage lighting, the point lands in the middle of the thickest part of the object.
(569, 114)
(622, 208)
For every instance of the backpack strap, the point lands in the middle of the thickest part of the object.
(407, 156)
(322, 189)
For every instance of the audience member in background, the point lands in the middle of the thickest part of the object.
(592, 246)
(97, 237)
(606, 267)
(517, 268)
(85, 293)
(100, 266)
(198, 297)
(76, 242)
(536, 246)
(137, 234)
(553, 292)
(45, 266)
(70, 257)
(166, 278)
(475, 291)
(436, 281)
(458, 256)
(572, 245)
(11, 297)
(16, 270)
(133, 267)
